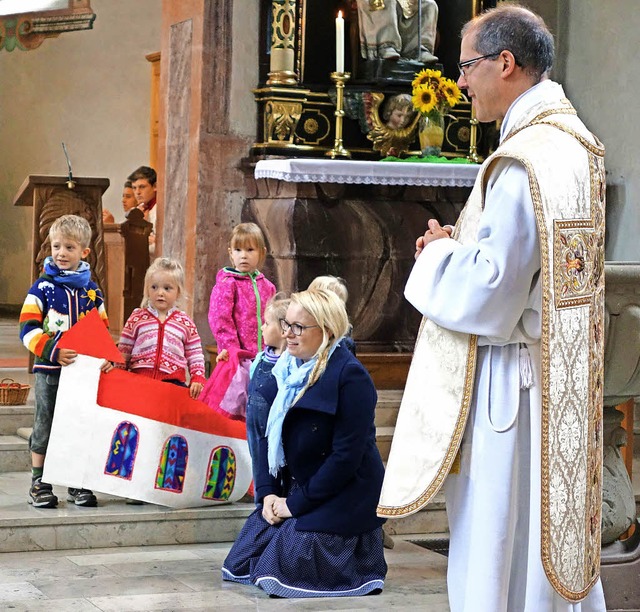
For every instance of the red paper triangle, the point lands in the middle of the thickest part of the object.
(90, 336)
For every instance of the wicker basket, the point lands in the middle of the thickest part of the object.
(13, 393)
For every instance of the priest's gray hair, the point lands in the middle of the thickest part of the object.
(517, 29)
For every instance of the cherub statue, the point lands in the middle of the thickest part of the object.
(392, 134)
(394, 29)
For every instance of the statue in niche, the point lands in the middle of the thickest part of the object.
(618, 501)
(395, 29)
(393, 133)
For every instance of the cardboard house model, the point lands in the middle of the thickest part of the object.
(128, 435)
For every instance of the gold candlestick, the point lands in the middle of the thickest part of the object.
(339, 78)
(473, 137)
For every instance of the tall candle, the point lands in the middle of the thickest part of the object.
(339, 42)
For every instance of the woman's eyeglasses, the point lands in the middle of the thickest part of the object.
(296, 328)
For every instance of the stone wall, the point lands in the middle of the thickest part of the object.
(90, 89)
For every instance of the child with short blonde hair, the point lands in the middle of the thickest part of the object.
(336, 285)
(62, 295)
(331, 283)
(159, 320)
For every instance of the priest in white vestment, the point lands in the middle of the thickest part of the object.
(493, 280)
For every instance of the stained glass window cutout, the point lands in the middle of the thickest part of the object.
(173, 465)
(222, 474)
(123, 450)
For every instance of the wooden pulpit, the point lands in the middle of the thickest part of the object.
(54, 196)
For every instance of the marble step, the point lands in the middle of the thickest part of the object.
(115, 523)
(18, 420)
(387, 407)
(13, 417)
(384, 436)
(14, 449)
(14, 453)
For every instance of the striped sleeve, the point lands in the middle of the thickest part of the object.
(193, 352)
(32, 334)
(128, 338)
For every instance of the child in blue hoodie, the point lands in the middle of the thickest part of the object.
(262, 385)
(62, 296)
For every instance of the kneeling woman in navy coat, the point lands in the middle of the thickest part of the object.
(316, 533)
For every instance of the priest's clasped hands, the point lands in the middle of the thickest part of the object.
(435, 232)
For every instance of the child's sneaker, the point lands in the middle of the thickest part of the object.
(41, 494)
(82, 497)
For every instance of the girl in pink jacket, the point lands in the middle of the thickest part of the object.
(238, 298)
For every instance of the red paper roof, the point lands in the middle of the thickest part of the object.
(164, 402)
(90, 336)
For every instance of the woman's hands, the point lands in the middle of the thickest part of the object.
(223, 355)
(275, 509)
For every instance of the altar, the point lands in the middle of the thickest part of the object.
(358, 220)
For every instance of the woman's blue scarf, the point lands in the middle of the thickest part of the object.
(71, 278)
(291, 374)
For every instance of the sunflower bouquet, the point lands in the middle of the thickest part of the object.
(433, 96)
(433, 93)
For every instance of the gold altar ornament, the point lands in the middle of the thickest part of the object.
(393, 133)
(339, 78)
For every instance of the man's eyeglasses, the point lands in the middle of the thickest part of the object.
(462, 66)
(295, 328)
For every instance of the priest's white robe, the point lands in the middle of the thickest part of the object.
(491, 288)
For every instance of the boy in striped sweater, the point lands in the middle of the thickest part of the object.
(62, 296)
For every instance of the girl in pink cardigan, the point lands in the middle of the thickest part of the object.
(159, 340)
(238, 298)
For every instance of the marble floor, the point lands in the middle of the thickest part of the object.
(187, 577)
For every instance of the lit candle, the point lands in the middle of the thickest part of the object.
(339, 42)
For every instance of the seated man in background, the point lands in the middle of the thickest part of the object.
(143, 181)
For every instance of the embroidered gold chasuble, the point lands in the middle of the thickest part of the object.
(552, 144)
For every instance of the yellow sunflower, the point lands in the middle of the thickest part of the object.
(424, 98)
(451, 92)
(426, 77)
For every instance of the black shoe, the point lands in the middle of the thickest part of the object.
(82, 497)
(41, 494)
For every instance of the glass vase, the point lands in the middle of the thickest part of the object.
(431, 134)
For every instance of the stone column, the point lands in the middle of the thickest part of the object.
(200, 184)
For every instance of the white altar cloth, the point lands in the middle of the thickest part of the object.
(367, 172)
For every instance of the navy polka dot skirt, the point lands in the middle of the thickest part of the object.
(289, 563)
